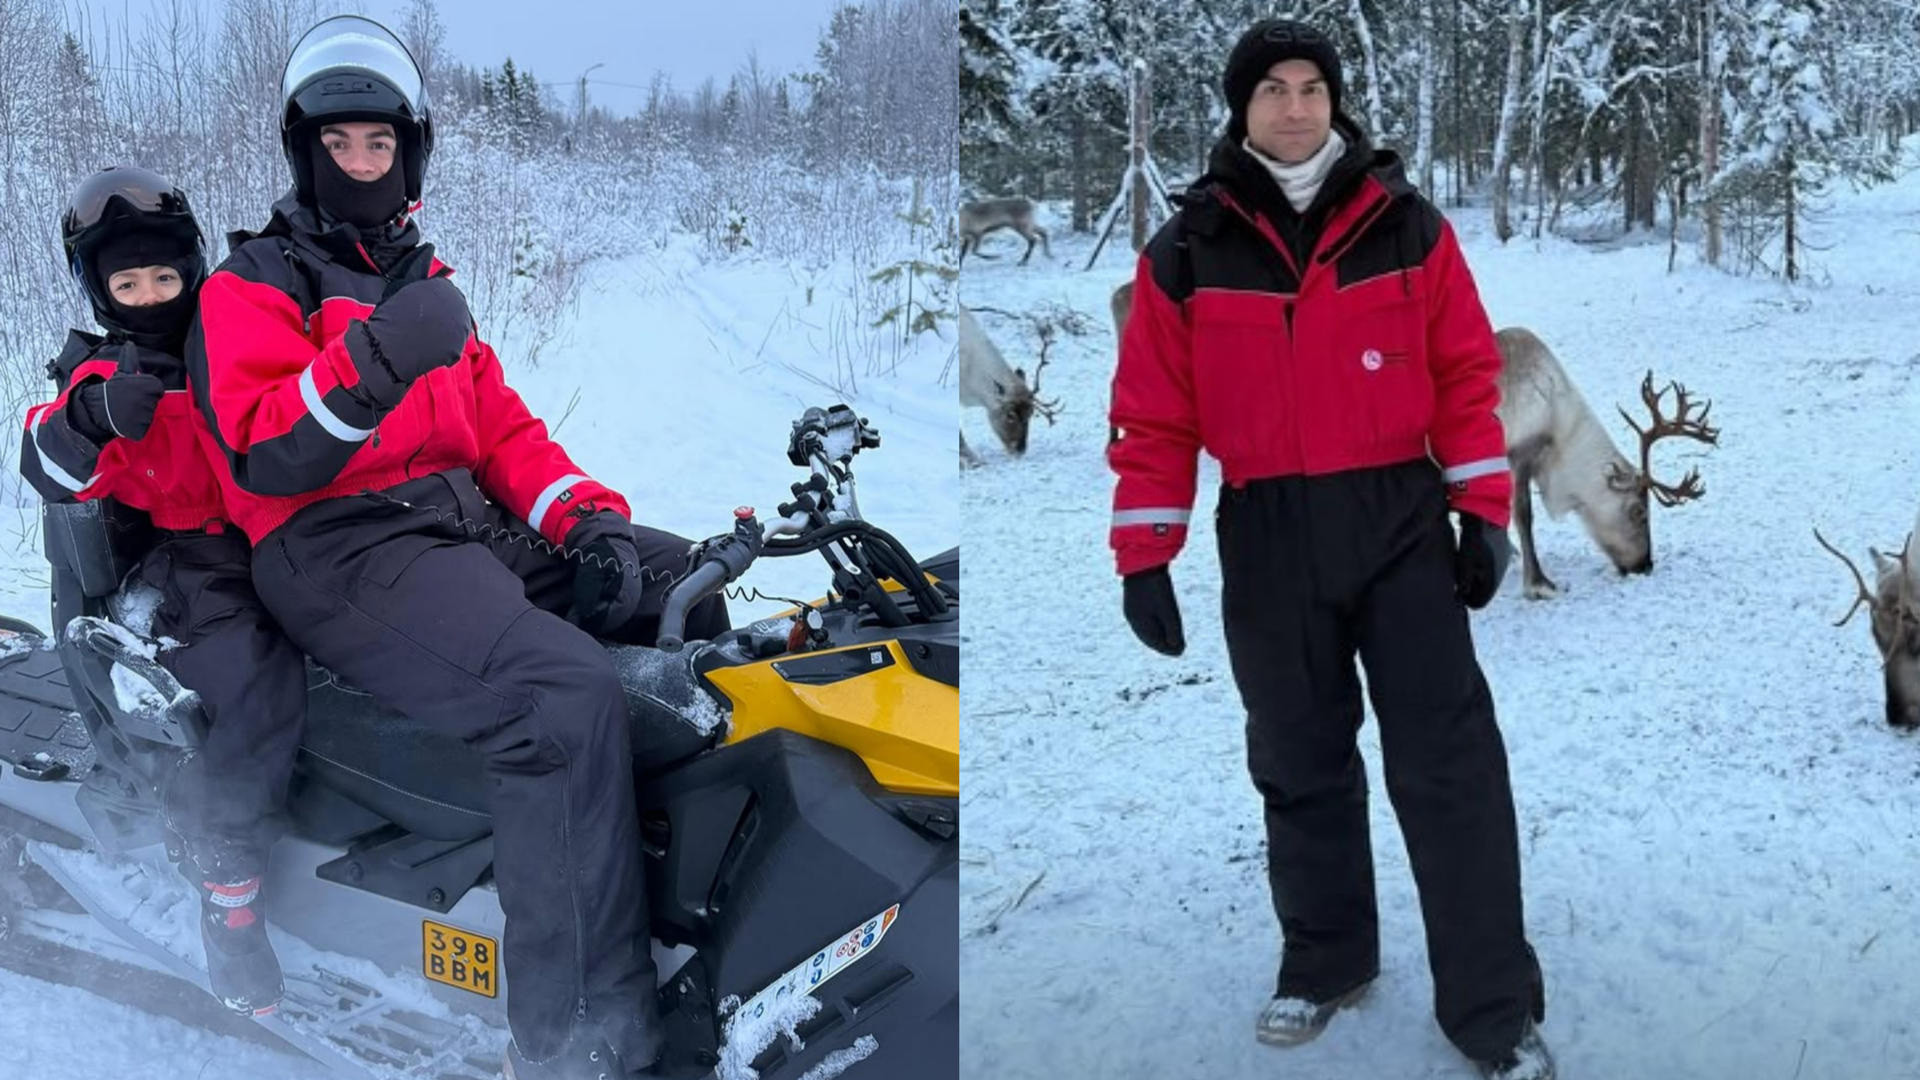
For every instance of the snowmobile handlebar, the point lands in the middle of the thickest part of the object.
(823, 516)
(721, 560)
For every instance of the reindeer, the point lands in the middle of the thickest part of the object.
(1896, 628)
(977, 219)
(1555, 440)
(1121, 304)
(986, 381)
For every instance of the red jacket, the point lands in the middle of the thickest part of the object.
(1362, 344)
(165, 473)
(275, 380)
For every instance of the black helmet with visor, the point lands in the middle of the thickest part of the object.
(130, 209)
(350, 68)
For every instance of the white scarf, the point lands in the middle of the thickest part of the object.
(1300, 183)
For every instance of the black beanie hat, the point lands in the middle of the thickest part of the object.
(132, 248)
(1268, 43)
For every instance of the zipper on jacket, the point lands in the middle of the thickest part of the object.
(1266, 230)
(362, 249)
(1348, 238)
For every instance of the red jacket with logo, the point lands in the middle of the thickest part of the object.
(1360, 344)
(276, 382)
(165, 473)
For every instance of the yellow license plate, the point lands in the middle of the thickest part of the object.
(460, 958)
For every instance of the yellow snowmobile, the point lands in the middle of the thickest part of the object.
(797, 782)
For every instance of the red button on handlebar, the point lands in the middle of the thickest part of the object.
(743, 512)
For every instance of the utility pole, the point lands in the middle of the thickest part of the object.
(580, 114)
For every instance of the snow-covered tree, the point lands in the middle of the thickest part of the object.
(1781, 128)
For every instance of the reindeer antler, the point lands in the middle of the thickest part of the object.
(1048, 409)
(1867, 597)
(1680, 424)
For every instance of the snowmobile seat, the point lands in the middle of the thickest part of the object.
(414, 775)
(433, 785)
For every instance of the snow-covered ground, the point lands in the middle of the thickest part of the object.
(689, 373)
(1718, 829)
(53, 1032)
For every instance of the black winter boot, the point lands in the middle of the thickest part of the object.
(1528, 1060)
(241, 966)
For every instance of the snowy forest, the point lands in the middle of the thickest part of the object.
(1725, 123)
(531, 179)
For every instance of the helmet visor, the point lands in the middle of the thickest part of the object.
(141, 189)
(347, 46)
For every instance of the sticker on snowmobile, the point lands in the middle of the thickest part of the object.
(823, 669)
(833, 958)
(460, 958)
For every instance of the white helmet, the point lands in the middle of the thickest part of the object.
(351, 68)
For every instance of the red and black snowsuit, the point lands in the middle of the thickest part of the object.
(1339, 365)
(226, 798)
(397, 545)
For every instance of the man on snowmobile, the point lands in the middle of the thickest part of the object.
(422, 536)
(123, 428)
(1307, 318)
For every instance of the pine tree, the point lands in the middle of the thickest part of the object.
(730, 110)
(1781, 128)
(532, 115)
(987, 121)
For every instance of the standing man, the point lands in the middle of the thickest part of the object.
(418, 531)
(1308, 320)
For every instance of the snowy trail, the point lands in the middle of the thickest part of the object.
(1718, 828)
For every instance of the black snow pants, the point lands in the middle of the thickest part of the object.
(227, 800)
(460, 626)
(1315, 570)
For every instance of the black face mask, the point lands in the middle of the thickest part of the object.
(364, 204)
(161, 326)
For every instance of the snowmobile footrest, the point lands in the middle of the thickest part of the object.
(432, 874)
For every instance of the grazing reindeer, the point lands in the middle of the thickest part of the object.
(986, 381)
(1896, 629)
(1555, 440)
(977, 219)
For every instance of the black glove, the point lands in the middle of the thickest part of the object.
(1153, 612)
(1480, 564)
(607, 584)
(115, 408)
(424, 325)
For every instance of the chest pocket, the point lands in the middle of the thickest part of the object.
(1239, 342)
(1378, 357)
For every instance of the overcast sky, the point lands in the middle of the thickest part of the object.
(559, 39)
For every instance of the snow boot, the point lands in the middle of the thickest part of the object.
(1291, 1021)
(642, 1039)
(1528, 1060)
(581, 1060)
(241, 966)
(242, 970)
